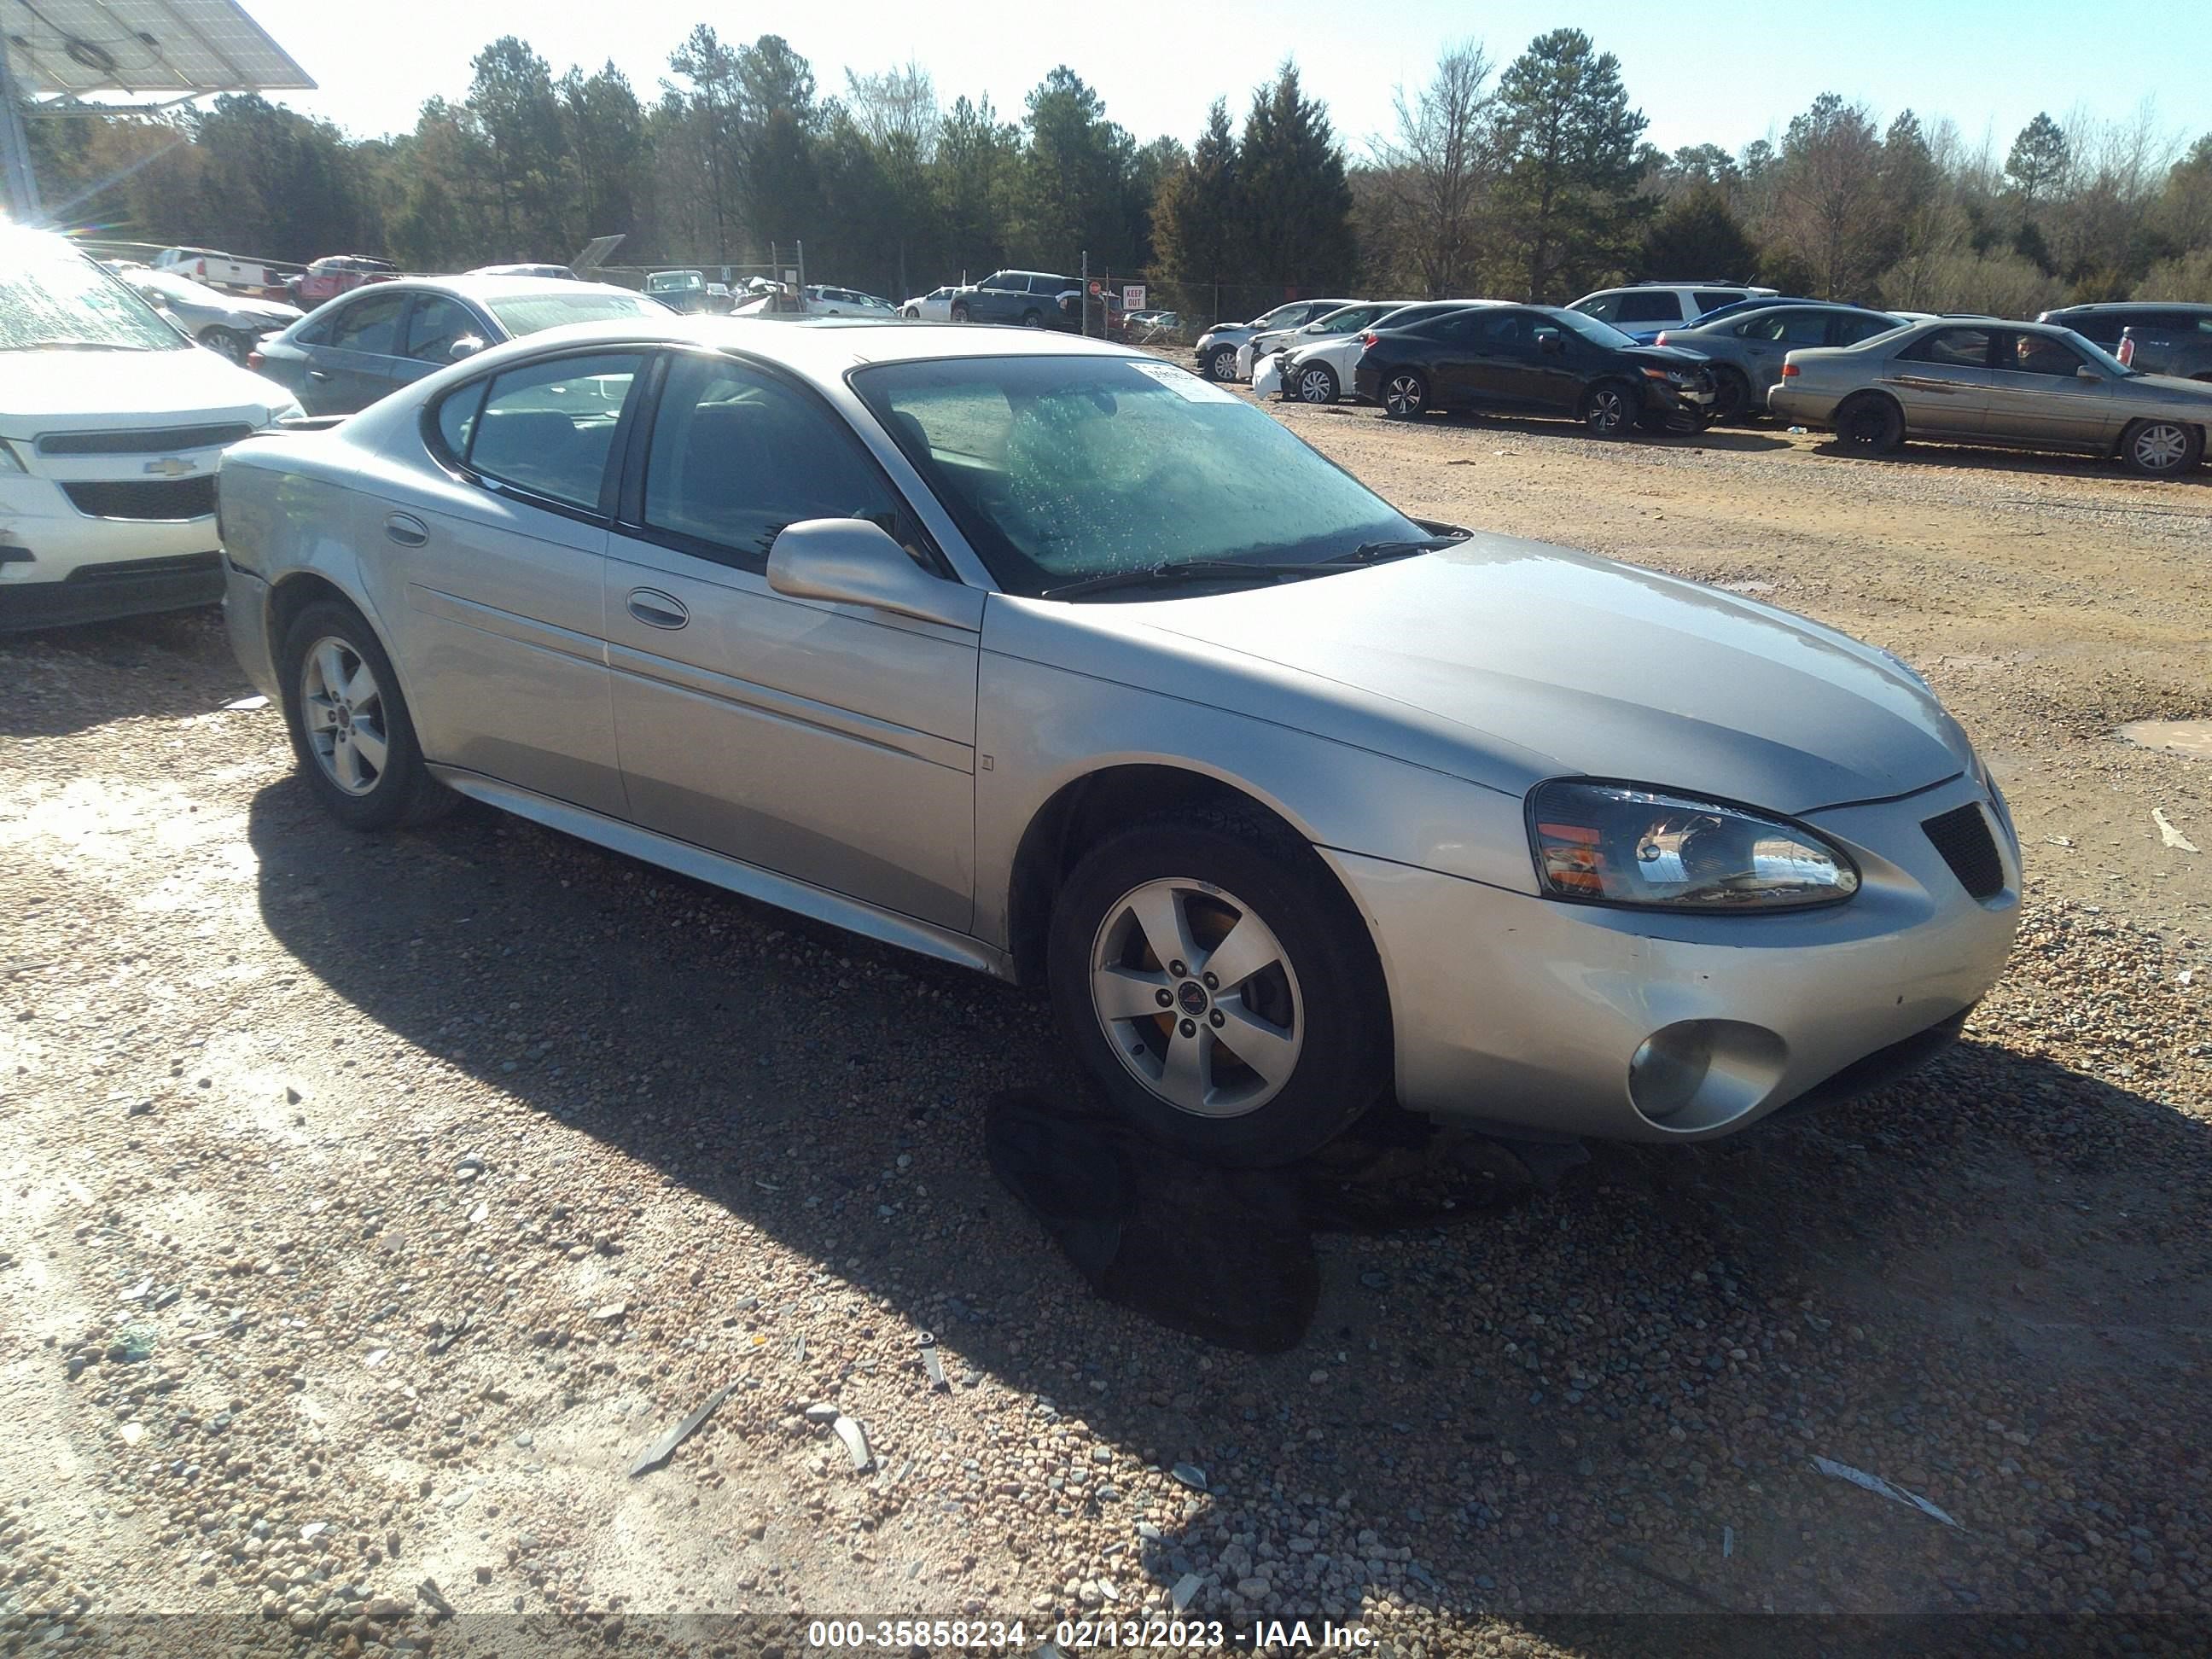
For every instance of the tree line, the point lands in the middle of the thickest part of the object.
(1534, 181)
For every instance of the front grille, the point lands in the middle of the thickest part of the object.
(155, 441)
(169, 498)
(1962, 836)
(139, 570)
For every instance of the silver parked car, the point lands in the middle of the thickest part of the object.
(1746, 347)
(1043, 656)
(2027, 386)
(231, 324)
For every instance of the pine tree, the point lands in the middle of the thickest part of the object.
(2037, 161)
(1298, 218)
(1572, 165)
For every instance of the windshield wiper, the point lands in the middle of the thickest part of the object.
(1376, 552)
(1166, 573)
(73, 345)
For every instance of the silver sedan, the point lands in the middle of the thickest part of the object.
(2024, 386)
(1053, 659)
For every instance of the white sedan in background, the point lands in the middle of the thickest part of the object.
(934, 306)
(1319, 370)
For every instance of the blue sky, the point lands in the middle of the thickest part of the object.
(1723, 70)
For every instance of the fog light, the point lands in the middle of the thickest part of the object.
(1701, 1073)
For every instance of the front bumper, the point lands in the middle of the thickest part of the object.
(108, 591)
(1532, 1017)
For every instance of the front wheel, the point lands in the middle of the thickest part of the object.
(2160, 449)
(226, 342)
(1608, 409)
(1870, 424)
(1221, 363)
(911, 315)
(1032, 320)
(350, 725)
(960, 314)
(1731, 394)
(1317, 384)
(1220, 988)
(1404, 394)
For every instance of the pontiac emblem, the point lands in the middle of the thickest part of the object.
(171, 466)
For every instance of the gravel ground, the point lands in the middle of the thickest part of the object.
(371, 1204)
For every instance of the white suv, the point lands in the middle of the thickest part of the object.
(1647, 308)
(112, 425)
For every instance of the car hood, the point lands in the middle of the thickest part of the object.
(2171, 385)
(1666, 356)
(39, 389)
(1507, 661)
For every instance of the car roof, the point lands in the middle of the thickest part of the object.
(822, 346)
(1737, 313)
(483, 287)
(2127, 306)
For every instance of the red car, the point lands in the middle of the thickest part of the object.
(339, 273)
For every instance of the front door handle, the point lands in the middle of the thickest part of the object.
(656, 609)
(405, 529)
(317, 374)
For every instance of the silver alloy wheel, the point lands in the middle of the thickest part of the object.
(342, 707)
(226, 342)
(2159, 446)
(1316, 385)
(1222, 363)
(1609, 409)
(1197, 997)
(1403, 396)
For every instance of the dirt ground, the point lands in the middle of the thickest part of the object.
(368, 1205)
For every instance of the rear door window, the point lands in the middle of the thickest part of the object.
(2102, 326)
(1605, 307)
(370, 324)
(548, 427)
(1850, 330)
(1712, 299)
(1655, 306)
(1958, 348)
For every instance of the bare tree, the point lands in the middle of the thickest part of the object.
(1828, 205)
(897, 109)
(1437, 168)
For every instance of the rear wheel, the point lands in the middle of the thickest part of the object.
(1317, 384)
(1609, 408)
(1032, 320)
(350, 724)
(1871, 424)
(1404, 393)
(1731, 394)
(1219, 988)
(2160, 449)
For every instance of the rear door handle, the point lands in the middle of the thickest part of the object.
(656, 609)
(405, 529)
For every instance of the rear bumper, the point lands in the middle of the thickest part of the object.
(116, 588)
(246, 615)
(1529, 1016)
(1798, 408)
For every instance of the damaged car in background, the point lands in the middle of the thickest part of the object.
(1056, 660)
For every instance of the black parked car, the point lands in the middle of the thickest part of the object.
(2149, 336)
(1538, 360)
(1030, 298)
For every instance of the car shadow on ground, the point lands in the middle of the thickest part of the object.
(1503, 1396)
(1923, 453)
(1734, 438)
(62, 680)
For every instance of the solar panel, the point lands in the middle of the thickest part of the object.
(180, 47)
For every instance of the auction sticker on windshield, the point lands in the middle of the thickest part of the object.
(1185, 384)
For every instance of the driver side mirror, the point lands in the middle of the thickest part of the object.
(1550, 341)
(2086, 372)
(854, 562)
(467, 346)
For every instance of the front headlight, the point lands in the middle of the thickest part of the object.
(1626, 843)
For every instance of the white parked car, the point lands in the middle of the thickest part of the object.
(823, 300)
(1345, 320)
(1319, 370)
(934, 306)
(1641, 310)
(112, 424)
(232, 324)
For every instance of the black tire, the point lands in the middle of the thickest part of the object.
(226, 342)
(1221, 363)
(403, 792)
(1032, 320)
(911, 315)
(2161, 449)
(959, 312)
(1609, 410)
(1869, 424)
(1317, 384)
(1404, 393)
(1731, 394)
(1341, 1011)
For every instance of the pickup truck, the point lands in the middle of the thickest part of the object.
(205, 264)
(1030, 298)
